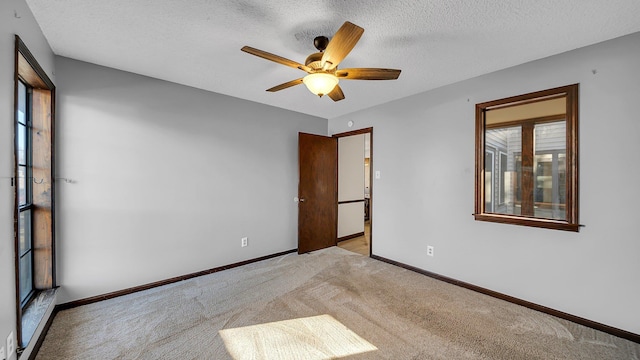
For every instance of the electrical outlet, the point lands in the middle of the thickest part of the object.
(430, 250)
(10, 347)
(2, 354)
(244, 241)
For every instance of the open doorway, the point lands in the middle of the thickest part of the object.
(355, 191)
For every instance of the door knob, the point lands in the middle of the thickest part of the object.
(301, 199)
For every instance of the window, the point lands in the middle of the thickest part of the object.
(34, 192)
(526, 159)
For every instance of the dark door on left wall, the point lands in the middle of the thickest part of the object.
(317, 192)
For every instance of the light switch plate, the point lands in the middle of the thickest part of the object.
(377, 174)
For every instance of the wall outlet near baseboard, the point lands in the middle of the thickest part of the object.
(430, 250)
(244, 241)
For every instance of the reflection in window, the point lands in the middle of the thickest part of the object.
(504, 160)
(488, 180)
(508, 143)
(550, 175)
(549, 164)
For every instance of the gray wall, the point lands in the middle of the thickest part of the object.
(164, 180)
(15, 18)
(424, 149)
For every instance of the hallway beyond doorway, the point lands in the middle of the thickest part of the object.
(361, 244)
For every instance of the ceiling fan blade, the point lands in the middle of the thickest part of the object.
(368, 74)
(336, 94)
(341, 44)
(275, 58)
(285, 85)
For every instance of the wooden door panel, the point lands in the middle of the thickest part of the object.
(318, 192)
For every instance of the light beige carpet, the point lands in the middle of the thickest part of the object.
(325, 305)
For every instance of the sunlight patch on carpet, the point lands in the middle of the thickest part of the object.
(310, 338)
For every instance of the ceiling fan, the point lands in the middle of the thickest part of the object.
(322, 67)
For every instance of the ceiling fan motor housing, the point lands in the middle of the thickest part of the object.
(314, 61)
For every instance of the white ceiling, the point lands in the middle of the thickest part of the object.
(438, 42)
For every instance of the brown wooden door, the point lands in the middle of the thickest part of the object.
(318, 192)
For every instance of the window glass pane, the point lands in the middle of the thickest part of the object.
(22, 144)
(502, 170)
(550, 176)
(24, 232)
(562, 178)
(22, 185)
(516, 177)
(22, 103)
(488, 181)
(506, 194)
(26, 276)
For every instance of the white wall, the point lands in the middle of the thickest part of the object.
(15, 18)
(424, 149)
(350, 219)
(350, 184)
(167, 179)
(351, 167)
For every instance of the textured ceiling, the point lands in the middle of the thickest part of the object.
(438, 42)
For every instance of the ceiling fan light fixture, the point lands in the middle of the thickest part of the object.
(322, 66)
(320, 83)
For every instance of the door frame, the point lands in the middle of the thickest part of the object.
(369, 131)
